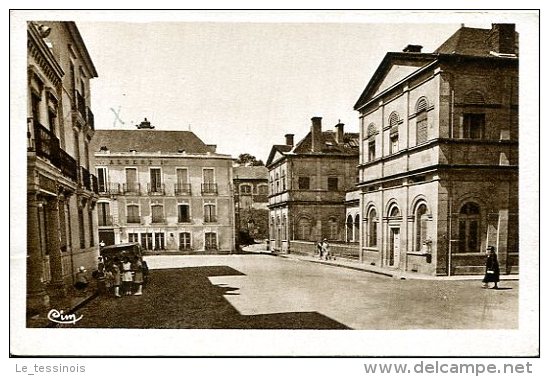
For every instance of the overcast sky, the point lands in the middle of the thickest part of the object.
(240, 85)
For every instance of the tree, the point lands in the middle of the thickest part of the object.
(246, 159)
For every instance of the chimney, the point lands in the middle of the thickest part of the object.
(502, 38)
(145, 125)
(412, 48)
(316, 134)
(289, 139)
(212, 147)
(339, 132)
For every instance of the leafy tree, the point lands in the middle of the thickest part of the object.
(246, 159)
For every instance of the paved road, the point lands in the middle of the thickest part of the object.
(266, 292)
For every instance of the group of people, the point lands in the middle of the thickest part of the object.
(323, 250)
(120, 277)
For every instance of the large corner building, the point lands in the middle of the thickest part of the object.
(439, 155)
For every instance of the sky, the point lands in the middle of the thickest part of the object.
(242, 85)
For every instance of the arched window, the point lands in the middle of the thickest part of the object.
(469, 228)
(349, 228)
(474, 97)
(357, 228)
(304, 229)
(372, 228)
(333, 230)
(371, 130)
(421, 120)
(394, 211)
(420, 219)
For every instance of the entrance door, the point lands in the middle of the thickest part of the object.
(394, 246)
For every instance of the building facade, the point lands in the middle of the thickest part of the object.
(166, 190)
(307, 186)
(251, 190)
(61, 190)
(439, 156)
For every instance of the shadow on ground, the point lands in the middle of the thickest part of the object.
(186, 298)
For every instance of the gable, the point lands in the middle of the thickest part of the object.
(395, 74)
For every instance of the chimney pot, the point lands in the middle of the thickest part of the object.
(289, 139)
(412, 48)
(316, 134)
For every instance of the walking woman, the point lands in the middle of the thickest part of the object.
(492, 268)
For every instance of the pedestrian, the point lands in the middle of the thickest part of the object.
(109, 278)
(116, 278)
(127, 278)
(326, 249)
(101, 279)
(137, 268)
(319, 249)
(492, 268)
(82, 282)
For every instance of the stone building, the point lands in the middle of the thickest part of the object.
(439, 155)
(251, 191)
(307, 185)
(164, 189)
(61, 191)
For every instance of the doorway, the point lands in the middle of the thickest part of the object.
(394, 246)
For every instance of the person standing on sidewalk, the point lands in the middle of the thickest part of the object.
(319, 249)
(116, 278)
(492, 269)
(326, 249)
(137, 268)
(127, 278)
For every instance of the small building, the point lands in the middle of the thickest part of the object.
(164, 189)
(439, 155)
(61, 189)
(251, 191)
(308, 182)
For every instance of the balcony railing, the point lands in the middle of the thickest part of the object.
(109, 189)
(156, 189)
(46, 145)
(90, 118)
(209, 188)
(133, 219)
(105, 220)
(182, 189)
(131, 188)
(86, 177)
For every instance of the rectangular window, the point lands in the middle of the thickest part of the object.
(159, 241)
(183, 215)
(371, 150)
(208, 175)
(473, 126)
(393, 146)
(209, 213)
(52, 119)
(421, 128)
(81, 228)
(181, 176)
(184, 241)
(133, 237)
(103, 214)
(146, 241)
(157, 214)
(304, 183)
(156, 180)
(131, 180)
(208, 181)
(332, 183)
(102, 179)
(133, 214)
(210, 241)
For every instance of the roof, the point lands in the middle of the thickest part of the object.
(250, 172)
(465, 42)
(349, 147)
(329, 144)
(150, 141)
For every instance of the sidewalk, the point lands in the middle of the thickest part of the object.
(69, 304)
(358, 266)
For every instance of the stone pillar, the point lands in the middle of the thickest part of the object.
(57, 284)
(37, 297)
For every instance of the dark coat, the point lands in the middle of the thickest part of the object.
(491, 265)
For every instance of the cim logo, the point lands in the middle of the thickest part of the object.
(57, 316)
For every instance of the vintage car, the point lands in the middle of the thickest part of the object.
(117, 252)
